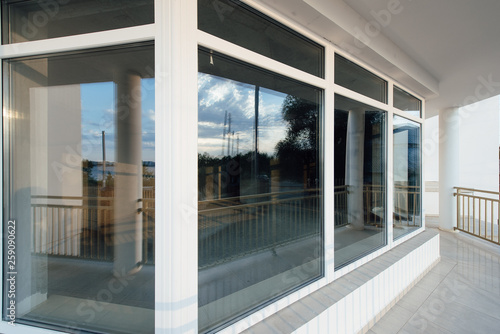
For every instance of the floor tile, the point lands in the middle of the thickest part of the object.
(393, 321)
(414, 298)
(461, 294)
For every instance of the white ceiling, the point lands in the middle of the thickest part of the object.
(445, 50)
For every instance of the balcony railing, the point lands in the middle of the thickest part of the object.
(82, 227)
(477, 213)
(406, 205)
(231, 228)
(228, 228)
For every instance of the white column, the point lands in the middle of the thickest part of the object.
(176, 228)
(354, 167)
(128, 177)
(449, 145)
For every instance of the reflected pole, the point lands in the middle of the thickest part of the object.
(256, 160)
(103, 159)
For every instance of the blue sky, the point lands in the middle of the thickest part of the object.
(98, 112)
(216, 95)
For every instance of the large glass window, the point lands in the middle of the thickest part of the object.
(360, 179)
(79, 186)
(32, 20)
(360, 80)
(407, 102)
(407, 164)
(237, 23)
(260, 193)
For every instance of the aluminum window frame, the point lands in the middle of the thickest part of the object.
(176, 40)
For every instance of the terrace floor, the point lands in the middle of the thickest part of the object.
(461, 294)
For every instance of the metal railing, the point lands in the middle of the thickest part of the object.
(340, 205)
(83, 226)
(230, 228)
(477, 213)
(406, 205)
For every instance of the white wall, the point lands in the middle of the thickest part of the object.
(479, 131)
(430, 148)
(479, 142)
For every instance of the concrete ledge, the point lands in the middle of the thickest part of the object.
(354, 302)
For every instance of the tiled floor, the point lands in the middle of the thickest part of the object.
(461, 294)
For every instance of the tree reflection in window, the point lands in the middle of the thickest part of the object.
(259, 220)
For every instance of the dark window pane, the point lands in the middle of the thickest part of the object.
(79, 171)
(34, 20)
(356, 78)
(244, 26)
(360, 180)
(259, 176)
(407, 102)
(407, 165)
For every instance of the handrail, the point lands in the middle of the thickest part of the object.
(257, 195)
(475, 190)
(242, 206)
(478, 215)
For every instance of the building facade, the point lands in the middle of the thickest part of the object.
(205, 166)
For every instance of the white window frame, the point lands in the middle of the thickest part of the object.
(176, 100)
(330, 89)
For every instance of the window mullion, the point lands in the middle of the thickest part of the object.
(79, 42)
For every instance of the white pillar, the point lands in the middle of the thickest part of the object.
(449, 147)
(128, 178)
(354, 167)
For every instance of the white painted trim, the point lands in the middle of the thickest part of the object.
(163, 286)
(422, 169)
(406, 115)
(79, 42)
(329, 166)
(390, 170)
(2, 155)
(374, 297)
(219, 45)
(176, 271)
(360, 97)
(176, 281)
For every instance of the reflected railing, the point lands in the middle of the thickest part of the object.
(231, 228)
(83, 226)
(407, 201)
(228, 227)
(477, 213)
(406, 205)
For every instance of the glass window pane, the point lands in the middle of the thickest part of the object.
(260, 195)
(356, 78)
(407, 102)
(360, 180)
(407, 165)
(242, 25)
(79, 175)
(34, 20)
